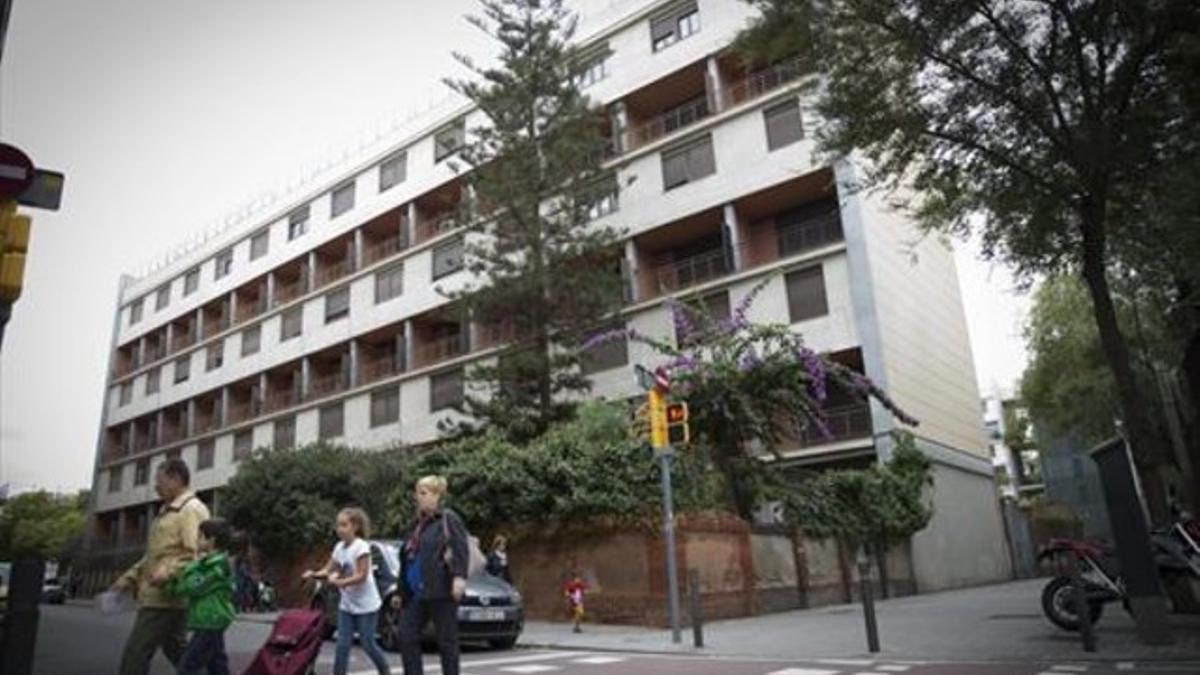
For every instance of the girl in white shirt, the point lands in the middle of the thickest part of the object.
(349, 569)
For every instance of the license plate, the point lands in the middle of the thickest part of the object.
(486, 615)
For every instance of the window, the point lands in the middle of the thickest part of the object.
(243, 444)
(806, 294)
(688, 163)
(162, 297)
(611, 354)
(337, 304)
(447, 259)
(592, 71)
(393, 170)
(291, 323)
(342, 200)
(329, 422)
(251, 340)
(215, 356)
(126, 393)
(678, 23)
(205, 454)
(285, 433)
(141, 472)
(135, 311)
(602, 199)
(715, 305)
(448, 140)
(191, 281)
(298, 222)
(224, 264)
(446, 390)
(114, 479)
(783, 124)
(259, 243)
(389, 283)
(385, 406)
(153, 380)
(181, 369)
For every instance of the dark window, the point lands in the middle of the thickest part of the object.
(298, 222)
(330, 421)
(393, 170)
(809, 226)
(678, 23)
(243, 444)
(182, 368)
(191, 281)
(205, 454)
(291, 323)
(163, 297)
(385, 406)
(126, 393)
(806, 294)
(446, 390)
(342, 200)
(285, 433)
(783, 124)
(448, 140)
(714, 305)
(141, 472)
(251, 340)
(603, 198)
(114, 479)
(259, 243)
(389, 283)
(215, 356)
(153, 378)
(224, 264)
(135, 311)
(612, 354)
(689, 162)
(447, 259)
(337, 304)
(592, 71)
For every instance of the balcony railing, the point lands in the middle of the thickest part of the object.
(384, 249)
(286, 292)
(380, 368)
(325, 385)
(693, 270)
(240, 411)
(172, 434)
(251, 309)
(206, 423)
(183, 340)
(215, 323)
(843, 423)
(763, 81)
(327, 274)
(436, 226)
(441, 349)
(810, 234)
(679, 117)
(278, 400)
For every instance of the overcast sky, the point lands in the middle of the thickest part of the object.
(167, 114)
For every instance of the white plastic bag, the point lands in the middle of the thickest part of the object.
(115, 602)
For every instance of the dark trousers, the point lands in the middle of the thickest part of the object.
(205, 652)
(154, 628)
(444, 613)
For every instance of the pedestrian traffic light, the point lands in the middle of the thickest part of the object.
(14, 242)
(677, 424)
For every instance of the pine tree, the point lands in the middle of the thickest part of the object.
(546, 275)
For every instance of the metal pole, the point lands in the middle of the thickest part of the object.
(1082, 608)
(21, 622)
(697, 614)
(5, 313)
(5, 10)
(664, 459)
(868, 600)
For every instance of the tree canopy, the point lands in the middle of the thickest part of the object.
(42, 524)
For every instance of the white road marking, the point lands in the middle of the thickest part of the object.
(847, 662)
(1068, 668)
(535, 668)
(599, 660)
(1125, 665)
(437, 668)
(803, 671)
(893, 668)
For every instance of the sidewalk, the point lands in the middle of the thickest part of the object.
(1001, 622)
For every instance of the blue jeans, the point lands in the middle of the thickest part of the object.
(205, 653)
(364, 625)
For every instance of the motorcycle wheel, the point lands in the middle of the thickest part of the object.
(1058, 604)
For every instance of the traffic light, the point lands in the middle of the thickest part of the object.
(658, 419)
(677, 424)
(14, 243)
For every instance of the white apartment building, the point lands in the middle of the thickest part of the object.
(324, 320)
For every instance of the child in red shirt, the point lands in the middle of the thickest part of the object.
(574, 590)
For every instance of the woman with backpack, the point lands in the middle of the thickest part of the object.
(435, 559)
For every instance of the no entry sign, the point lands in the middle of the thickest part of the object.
(16, 171)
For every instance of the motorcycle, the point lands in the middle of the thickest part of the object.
(1176, 555)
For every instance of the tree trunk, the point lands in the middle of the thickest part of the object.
(881, 552)
(1191, 375)
(1146, 452)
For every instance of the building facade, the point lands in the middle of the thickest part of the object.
(325, 320)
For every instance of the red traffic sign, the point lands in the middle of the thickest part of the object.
(16, 171)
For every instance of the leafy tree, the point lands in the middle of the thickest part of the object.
(1051, 119)
(745, 384)
(546, 273)
(42, 524)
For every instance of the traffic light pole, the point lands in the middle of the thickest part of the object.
(664, 463)
(5, 312)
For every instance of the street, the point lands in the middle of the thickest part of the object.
(77, 640)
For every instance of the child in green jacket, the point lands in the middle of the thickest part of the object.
(208, 585)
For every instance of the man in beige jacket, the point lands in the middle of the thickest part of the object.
(173, 543)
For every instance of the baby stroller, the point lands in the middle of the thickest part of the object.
(292, 647)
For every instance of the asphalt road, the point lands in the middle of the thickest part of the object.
(76, 640)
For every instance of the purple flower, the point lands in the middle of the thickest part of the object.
(680, 314)
(749, 361)
(815, 367)
(604, 338)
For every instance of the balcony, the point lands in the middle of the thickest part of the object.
(251, 300)
(669, 122)
(334, 261)
(666, 106)
(283, 387)
(244, 402)
(217, 316)
(291, 282)
(184, 330)
(693, 270)
(790, 218)
(381, 354)
(843, 423)
(760, 82)
(385, 236)
(437, 210)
